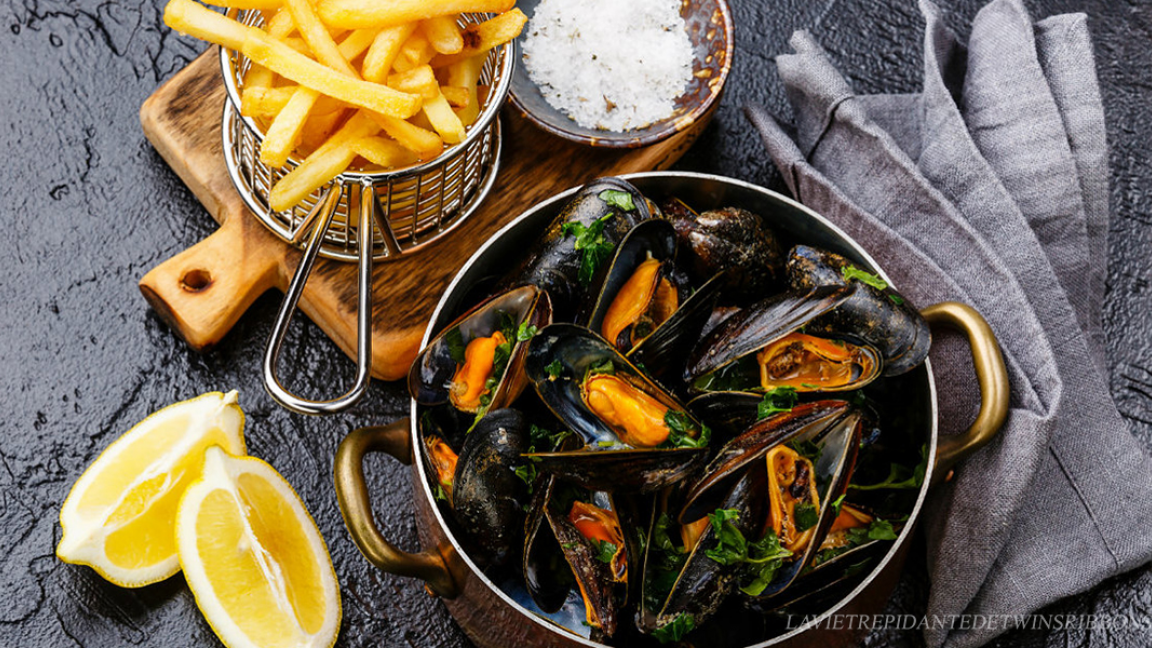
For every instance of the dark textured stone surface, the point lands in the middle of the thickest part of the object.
(89, 207)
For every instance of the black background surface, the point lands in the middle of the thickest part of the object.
(89, 207)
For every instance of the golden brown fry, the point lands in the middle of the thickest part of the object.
(264, 103)
(457, 97)
(281, 24)
(317, 37)
(325, 163)
(375, 13)
(481, 37)
(384, 50)
(247, 4)
(284, 131)
(420, 81)
(415, 52)
(194, 19)
(287, 63)
(466, 74)
(443, 33)
(382, 152)
(319, 128)
(443, 119)
(423, 142)
(356, 42)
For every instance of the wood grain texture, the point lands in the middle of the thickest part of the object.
(203, 291)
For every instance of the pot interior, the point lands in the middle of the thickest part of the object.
(910, 398)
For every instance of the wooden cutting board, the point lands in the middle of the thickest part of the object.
(203, 291)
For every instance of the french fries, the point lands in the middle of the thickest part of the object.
(340, 82)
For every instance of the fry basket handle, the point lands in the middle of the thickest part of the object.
(991, 375)
(319, 219)
(355, 506)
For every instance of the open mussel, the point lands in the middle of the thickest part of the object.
(762, 348)
(636, 435)
(575, 249)
(476, 363)
(729, 240)
(875, 314)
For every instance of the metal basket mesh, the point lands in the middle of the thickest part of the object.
(417, 205)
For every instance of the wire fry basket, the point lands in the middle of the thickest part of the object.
(403, 210)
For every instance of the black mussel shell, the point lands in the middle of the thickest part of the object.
(727, 414)
(430, 378)
(554, 263)
(730, 240)
(488, 497)
(604, 463)
(547, 575)
(880, 318)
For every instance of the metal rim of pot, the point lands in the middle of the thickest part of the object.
(444, 574)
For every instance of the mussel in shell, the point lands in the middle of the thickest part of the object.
(636, 435)
(476, 363)
(575, 250)
(875, 314)
(760, 348)
(729, 240)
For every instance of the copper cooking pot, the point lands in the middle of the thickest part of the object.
(487, 614)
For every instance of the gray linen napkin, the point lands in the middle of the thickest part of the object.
(990, 187)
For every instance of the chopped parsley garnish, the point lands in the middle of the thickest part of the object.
(554, 369)
(621, 200)
(455, 341)
(900, 476)
(680, 429)
(881, 530)
(602, 367)
(810, 386)
(851, 272)
(545, 438)
(527, 473)
(675, 631)
(838, 502)
(760, 559)
(440, 494)
(776, 400)
(526, 332)
(604, 551)
(606, 444)
(806, 448)
(593, 247)
(806, 516)
(570, 545)
(896, 299)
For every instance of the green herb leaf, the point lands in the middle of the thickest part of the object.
(527, 473)
(604, 551)
(680, 429)
(807, 449)
(881, 530)
(896, 299)
(570, 545)
(455, 341)
(675, 631)
(810, 386)
(526, 332)
(593, 247)
(900, 476)
(606, 444)
(765, 556)
(776, 400)
(602, 367)
(440, 494)
(554, 369)
(851, 272)
(760, 559)
(806, 516)
(838, 502)
(619, 199)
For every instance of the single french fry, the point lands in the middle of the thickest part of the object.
(481, 37)
(443, 119)
(466, 74)
(457, 97)
(258, 76)
(374, 13)
(415, 52)
(284, 131)
(264, 103)
(317, 37)
(382, 152)
(443, 33)
(384, 50)
(356, 42)
(247, 4)
(420, 81)
(281, 24)
(325, 163)
(318, 128)
(194, 19)
(289, 64)
(298, 44)
(425, 143)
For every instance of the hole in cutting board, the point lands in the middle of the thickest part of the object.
(196, 280)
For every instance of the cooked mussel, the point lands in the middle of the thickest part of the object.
(488, 497)
(476, 362)
(875, 314)
(729, 240)
(760, 348)
(577, 246)
(636, 435)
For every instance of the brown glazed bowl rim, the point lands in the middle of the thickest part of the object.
(557, 123)
(493, 247)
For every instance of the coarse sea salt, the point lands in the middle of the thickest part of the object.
(609, 64)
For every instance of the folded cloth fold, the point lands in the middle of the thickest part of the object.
(990, 187)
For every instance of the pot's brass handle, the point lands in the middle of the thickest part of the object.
(355, 506)
(991, 374)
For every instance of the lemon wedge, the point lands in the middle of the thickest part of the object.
(254, 558)
(119, 517)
